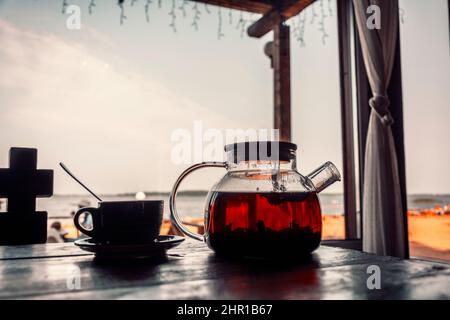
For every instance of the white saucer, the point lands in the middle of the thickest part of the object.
(157, 248)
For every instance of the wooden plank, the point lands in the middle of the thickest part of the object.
(282, 12)
(58, 250)
(282, 81)
(355, 244)
(192, 271)
(194, 262)
(344, 282)
(40, 251)
(340, 283)
(255, 6)
(345, 73)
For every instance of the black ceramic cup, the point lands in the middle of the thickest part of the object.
(122, 222)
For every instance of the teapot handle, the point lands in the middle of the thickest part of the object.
(173, 208)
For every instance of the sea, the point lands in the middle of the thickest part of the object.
(192, 205)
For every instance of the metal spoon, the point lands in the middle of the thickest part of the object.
(76, 179)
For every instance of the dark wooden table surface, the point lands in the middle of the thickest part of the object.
(192, 271)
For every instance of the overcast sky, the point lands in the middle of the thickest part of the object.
(106, 99)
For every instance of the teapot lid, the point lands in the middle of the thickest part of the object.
(261, 150)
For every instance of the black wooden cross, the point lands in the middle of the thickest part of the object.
(22, 183)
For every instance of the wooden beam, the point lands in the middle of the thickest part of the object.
(291, 8)
(282, 81)
(348, 154)
(280, 13)
(255, 6)
(265, 24)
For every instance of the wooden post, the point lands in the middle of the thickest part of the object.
(395, 94)
(363, 94)
(348, 155)
(282, 80)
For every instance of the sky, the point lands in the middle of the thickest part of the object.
(106, 99)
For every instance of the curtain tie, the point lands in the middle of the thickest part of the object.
(380, 104)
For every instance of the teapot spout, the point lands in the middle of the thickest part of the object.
(324, 176)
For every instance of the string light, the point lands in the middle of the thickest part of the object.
(91, 6)
(322, 23)
(241, 24)
(64, 6)
(322, 9)
(314, 14)
(174, 17)
(147, 9)
(299, 29)
(207, 9)
(402, 15)
(299, 26)
(182, 8)
(123, 17)
(219, 31)
(196, 16)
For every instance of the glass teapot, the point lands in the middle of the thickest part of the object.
(262, 207)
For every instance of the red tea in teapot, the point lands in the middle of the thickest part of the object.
(263, 224)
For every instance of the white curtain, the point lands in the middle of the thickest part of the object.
(383, 215)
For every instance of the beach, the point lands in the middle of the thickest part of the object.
(429, 236)
(428, 232)
(428, 218)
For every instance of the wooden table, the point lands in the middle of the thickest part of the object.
(192, 271)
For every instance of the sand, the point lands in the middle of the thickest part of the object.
(429, 236)
(333, 227)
